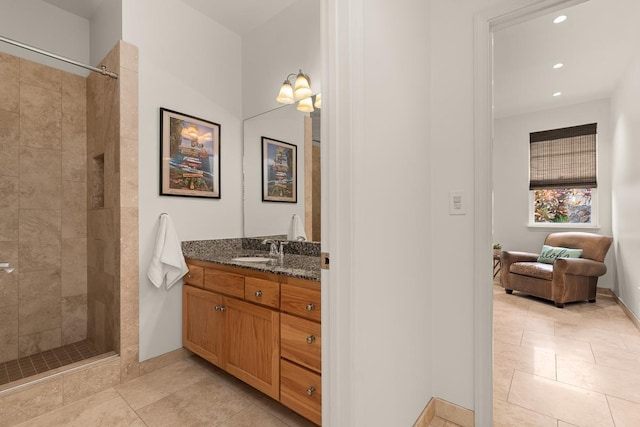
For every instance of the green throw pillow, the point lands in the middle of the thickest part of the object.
(548, 254)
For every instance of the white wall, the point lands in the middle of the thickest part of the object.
(626, 185)
(511, 176)
(271, 218)
(287, 42)
(381, 236)
(190, 64)
(106, 29)
(47, 27)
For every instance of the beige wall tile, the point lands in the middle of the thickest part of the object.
(8, 332)
(9, 197)
(452, 412)
(40, 179)
(9, 66)
(74, 114)
(74, 318)
(40, 75)
(128, 56)
(74, 254)
(37, 315)
(129, 173)
(40, 117)
(129, 365)
(89, 380)
(40, 225)
(9, 156)
(9, 130)
(10, 95)
(129, 104)
(38, 342)
(8, 288)
(95, 253)
(74, 282)
(74, 209)
(39, 283)
(74, 166)
(31, 401)
(161, 361)
(35, 256)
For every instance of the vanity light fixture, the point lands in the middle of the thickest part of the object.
(318, 103)
(559, 19)
(300, 91)
(558, 65)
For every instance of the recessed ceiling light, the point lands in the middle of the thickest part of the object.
(558, 65)
(560, 19)
(557, 94)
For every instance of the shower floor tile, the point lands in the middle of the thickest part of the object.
(41, 362)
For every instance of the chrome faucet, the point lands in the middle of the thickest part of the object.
(6, 267)
(276, 247)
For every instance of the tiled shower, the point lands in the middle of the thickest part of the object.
(46, 179)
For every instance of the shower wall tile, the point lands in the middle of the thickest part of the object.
(95, 254)
(40, 117)
(74, 112)
(40, 225)
(9, 66)
(40, 75)
(40, 183)
(129, 57)
(129, 104)
(9, 139)
(74, 209)
(31, 401)
(9, 282)
(38, 256)
(8, 332)
(10, 96)
(39, 283)
(90, 380)
(8, 209)
(74, 166)
(74, 282)
(74, 318)
(129, 173)
(38, 342)
(74, 254)
(39, 315)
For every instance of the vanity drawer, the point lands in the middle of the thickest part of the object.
(300, 341)
(195, 276)
(301, 301)
(260, 291)
(224, 283)
(301, 390)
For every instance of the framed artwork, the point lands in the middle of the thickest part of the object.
(279, 171)
(189, 156)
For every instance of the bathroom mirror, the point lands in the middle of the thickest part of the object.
(286, 124)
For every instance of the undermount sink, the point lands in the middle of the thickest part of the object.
(251, 259)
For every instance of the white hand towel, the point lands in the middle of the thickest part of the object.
(168, 262)
(296, 229)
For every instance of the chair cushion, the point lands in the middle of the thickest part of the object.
(533, 269)
(549, 254)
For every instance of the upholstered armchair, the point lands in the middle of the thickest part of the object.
(567, 279)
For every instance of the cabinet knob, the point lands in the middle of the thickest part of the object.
(190, 276)
(220, 308)
(311, 306)
(311, 339)
(258, 293)
(311, 390)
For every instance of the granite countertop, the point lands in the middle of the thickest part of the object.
(225, 250)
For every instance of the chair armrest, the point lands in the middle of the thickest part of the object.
(579, 267)
(509, 257)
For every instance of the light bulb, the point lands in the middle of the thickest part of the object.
(302, 87)
(305, 105)
(318, 103)
(285, 96)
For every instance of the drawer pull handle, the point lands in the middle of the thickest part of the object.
(220, 308)
(311, 339)
(311, 390)
(311, 306)
(258, 294)
(190, 276)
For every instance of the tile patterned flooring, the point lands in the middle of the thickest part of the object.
(190, 392)
(576, 366)
(47, 360)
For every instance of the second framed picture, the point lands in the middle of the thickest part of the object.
(279, 171)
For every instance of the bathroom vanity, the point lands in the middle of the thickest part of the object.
(259, 321)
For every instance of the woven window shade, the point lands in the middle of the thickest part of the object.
(563, 158)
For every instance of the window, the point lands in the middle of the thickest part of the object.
(562, 180)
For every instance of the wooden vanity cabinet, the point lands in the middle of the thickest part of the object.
(260, 327)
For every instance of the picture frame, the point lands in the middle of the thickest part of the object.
(189, 156)
(279, 171)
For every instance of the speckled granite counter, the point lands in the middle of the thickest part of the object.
(223, 251)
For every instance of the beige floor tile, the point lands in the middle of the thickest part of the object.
(602, 379)
(526, 359)
(522, 320)
(560, 346)
(506, 414)
(546, 310)
(251, 417)
(625, 413)
(615, 357)
(501, 382)
(631, 340)
(204, 403)
(563, 424)
(589, 334)
(106, 408)
(161, 383)
(508, 334)
(561, 401)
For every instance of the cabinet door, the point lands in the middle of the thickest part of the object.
(253, 351)
(203, 321)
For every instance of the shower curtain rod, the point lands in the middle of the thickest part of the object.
(102, 70)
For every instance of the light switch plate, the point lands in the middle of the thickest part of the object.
(457, 203)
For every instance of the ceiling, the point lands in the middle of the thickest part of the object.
(595, 44)
(239, 16)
